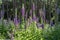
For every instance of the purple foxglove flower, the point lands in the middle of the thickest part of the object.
(34, 17)
(16, 21)
(33, 6)
(23, 10)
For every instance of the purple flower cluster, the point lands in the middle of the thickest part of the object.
(23, 10)
(33, 6)
(16, 22)
(35, 18)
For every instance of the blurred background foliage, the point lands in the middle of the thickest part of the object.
(50, 7)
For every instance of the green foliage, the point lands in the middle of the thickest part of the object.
(31, 32)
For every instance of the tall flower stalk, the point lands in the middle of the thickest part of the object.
(33, 6)
(44, 13)
(2, 14)
(23, 12)
(23, 16)
(2, 11)
(35, 18)
(33, 9)
(15, 19)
